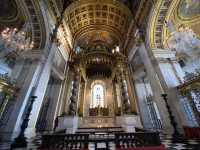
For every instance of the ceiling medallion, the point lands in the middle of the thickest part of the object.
(98, 20)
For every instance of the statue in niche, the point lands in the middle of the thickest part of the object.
(184, 41)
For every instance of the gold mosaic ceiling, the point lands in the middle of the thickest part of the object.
(91, 21)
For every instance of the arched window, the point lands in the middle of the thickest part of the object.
(97, 96)
(78, 50)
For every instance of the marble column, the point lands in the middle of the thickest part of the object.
(81, 98)
(114, 93)
(171, 75)
(25, 82)
(126, 108)
(69, 122)
(127, 120)
(142, 104)
(131, 90)
(40, 86)
(66, 97)
(74, 96)
(157, 88)
(54, 96)
(169, 68)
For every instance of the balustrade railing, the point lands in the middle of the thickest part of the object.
(81, 141)
(131, 140)
(65, 141)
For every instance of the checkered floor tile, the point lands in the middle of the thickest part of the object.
(179, 143)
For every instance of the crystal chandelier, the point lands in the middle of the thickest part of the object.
(14, 41)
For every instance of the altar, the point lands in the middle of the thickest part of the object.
(98, 111)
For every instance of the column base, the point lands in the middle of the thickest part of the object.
(129, 122)
(69, 124)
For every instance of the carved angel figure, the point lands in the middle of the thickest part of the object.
(185, 41)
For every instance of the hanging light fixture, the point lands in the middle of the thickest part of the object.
(15, 41)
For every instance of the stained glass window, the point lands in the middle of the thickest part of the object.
(98, 96)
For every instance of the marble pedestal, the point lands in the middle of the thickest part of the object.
(68, 123)
(129, 122)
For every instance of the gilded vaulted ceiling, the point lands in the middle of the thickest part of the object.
(86, 21)
(96, 20)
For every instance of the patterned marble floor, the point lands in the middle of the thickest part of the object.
(180, 143)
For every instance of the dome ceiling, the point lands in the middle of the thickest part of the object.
(93, 21)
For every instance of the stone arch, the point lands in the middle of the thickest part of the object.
(35, 16)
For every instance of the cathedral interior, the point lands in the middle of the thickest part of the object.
(100, 74)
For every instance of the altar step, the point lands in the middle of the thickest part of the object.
(95, 130)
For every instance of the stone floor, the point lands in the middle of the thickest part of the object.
(180, 143)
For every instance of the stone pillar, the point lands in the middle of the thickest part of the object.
(126, 108)
(131, 91)
(81, 98)
(74, 96)
(142, 104)
(53, 103)
(69, 123)
(61, 99)
(128, 120)
(25, 82)
(114, 93)
(40, 86)
(170, 69)
(171, 75)
(157, 88)
(67, 93)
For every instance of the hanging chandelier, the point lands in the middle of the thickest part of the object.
(14, 41)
